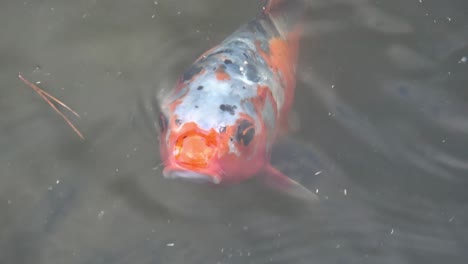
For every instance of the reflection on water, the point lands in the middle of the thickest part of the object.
(381, 101)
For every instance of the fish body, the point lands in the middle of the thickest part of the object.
(230, 106)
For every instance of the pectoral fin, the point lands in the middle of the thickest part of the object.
(277, 180)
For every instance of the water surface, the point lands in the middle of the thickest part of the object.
(381, 137)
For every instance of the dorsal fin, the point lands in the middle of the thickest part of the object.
(286, 14)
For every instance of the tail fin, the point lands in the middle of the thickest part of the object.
(286, 14)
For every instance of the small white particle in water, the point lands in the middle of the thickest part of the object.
(156, 3)
(135, 149)
(50, 188)
(222, 250)
(170, 244)
(246, 62)
(241, 68)
(52, 9)
(38, 82)
(248, 254)
(333, 86)
(326, 197)
(178, 13)
(128, 156)
(57, 182)
(318, 172)
(100, 215)
(420, 1)
(338, 246)
(392, 231)
(9, 202)
(153, 16)
(449, 19)
(444, 140)
(117, 170)
(435, 21)
(345, 192)
(463, 59)
(451, 219)
(316, 190)
(245, 228)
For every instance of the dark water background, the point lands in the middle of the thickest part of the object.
(382, 104)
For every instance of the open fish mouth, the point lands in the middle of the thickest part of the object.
(190, 176)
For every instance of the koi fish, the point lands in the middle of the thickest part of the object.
(228, 108)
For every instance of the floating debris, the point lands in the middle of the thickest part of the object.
(50, 100)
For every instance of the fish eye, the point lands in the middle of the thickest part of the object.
(162, 122)
(245, 132)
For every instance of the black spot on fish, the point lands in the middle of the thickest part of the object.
(178, 122)
(252, 73)
(226, 61)
(222, 129)
(228, 108)
(190, 72)
(245, 132)
(243, 87)
(200, 88)
(245, 55)
(196, 106)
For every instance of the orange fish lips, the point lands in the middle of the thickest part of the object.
(194, 155)
(194, 150)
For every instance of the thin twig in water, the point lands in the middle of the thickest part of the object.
(50, 99)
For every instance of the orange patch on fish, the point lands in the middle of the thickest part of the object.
(280, 59)
(222, 75)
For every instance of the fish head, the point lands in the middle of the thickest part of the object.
(205, 140)
(228, 154)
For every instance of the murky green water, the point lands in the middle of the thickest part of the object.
(382, 105)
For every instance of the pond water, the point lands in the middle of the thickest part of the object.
(381, 136)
